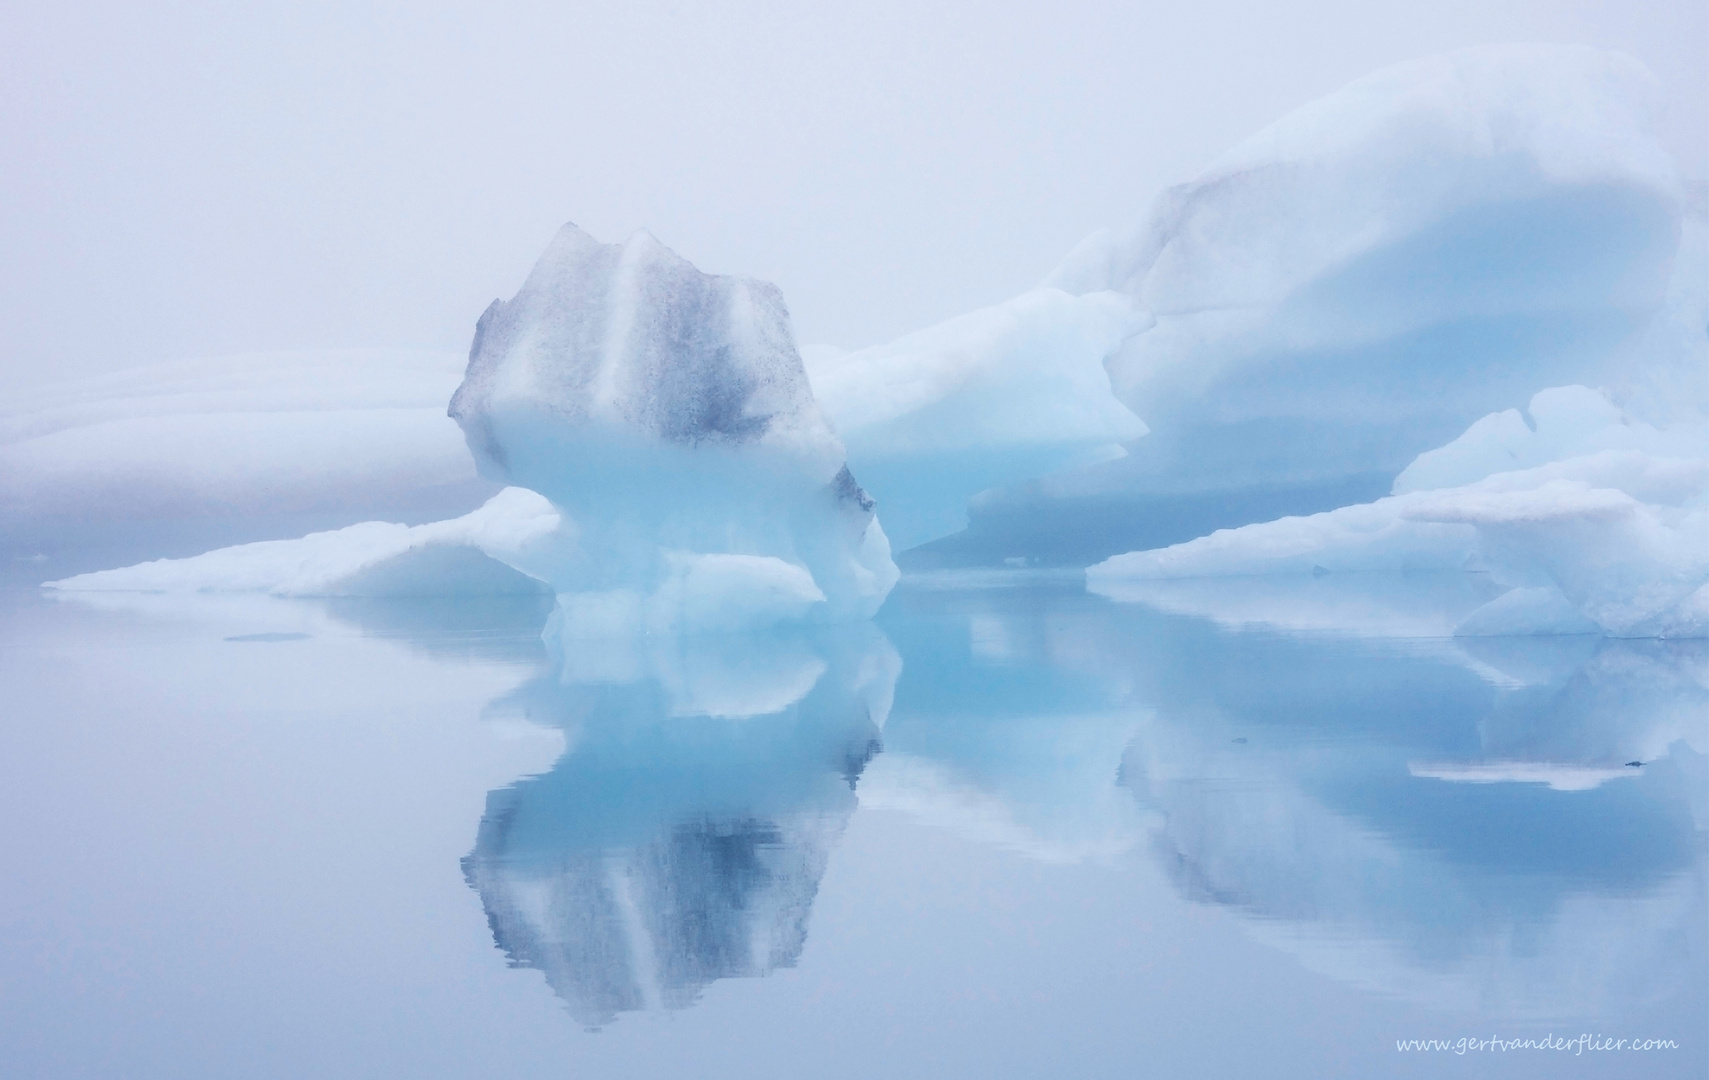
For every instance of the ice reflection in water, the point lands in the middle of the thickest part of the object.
(682, 836)
(1452, 821)
(1467, 836)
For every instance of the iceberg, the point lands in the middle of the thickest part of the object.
(1002, 395)
(1662, 374)
(667, 413)
(1361, 280)
(1322, 317)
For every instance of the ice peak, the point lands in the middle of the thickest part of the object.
(633, 337)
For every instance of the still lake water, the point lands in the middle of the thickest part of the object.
(1009, 830)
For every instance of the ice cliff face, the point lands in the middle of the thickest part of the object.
(1358, 282)
(667, 413)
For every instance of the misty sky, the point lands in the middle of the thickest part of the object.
(195, 178)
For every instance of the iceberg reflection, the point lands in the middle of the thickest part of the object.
(1512, 826)
(682, 836)
(1000, 733)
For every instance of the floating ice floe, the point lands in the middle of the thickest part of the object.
(475, 553)
(1613, 538)
(1361, 280)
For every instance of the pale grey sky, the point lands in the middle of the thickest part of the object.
(183, 179)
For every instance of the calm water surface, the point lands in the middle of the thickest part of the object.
(1009, 830)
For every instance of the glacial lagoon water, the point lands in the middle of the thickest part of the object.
(1009, 829)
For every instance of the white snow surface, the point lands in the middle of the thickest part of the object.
(257, 433)
(1362, 279)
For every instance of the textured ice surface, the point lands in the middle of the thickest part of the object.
(1360, 281)
(998, 396)
(351, 432)
(667, 413)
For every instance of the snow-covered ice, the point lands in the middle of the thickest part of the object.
(1559, 423)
